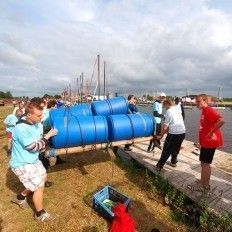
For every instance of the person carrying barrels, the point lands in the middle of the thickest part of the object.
(157, 113)
(132, 109)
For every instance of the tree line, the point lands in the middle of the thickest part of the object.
(8, 95)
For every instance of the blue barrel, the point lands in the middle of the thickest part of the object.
(124, 127)
(81, 109)
(79, 130)
(116, 105)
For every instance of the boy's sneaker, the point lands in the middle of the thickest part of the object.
(127, 149)
(21, 203)
(52, 161)
(158, 168)
(173, 165)
(45, 217)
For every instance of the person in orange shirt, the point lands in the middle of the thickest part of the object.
(210, 138)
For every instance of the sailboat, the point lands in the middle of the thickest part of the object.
(219, 105)
(97, 91)
(187, 101)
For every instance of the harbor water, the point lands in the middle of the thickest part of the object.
(192, 117)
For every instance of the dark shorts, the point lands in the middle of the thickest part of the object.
(206, 155)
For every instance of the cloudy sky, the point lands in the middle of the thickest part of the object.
(148, 45)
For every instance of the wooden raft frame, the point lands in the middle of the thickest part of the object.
(94, 147)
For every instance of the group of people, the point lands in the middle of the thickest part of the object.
(172, 124)
(28, 132)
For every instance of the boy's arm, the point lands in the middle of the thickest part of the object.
(217, 125)
(41, 144)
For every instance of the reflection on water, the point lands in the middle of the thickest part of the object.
(192, 117)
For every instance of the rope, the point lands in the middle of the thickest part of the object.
(112, 167)
(94, 147)
(95, 130)
(66, 124)
(144, 121)
(82, 140)
(110, 106)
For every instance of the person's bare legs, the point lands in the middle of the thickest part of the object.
(38, 198)
(205, 174)
(9, 144)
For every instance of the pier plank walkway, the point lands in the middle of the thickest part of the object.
(218, 199)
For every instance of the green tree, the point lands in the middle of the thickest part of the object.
(8, 94)
(2, 94)
(57, 96)
(5, 94)
(149, 98)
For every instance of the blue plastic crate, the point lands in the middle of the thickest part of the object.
(108, 193)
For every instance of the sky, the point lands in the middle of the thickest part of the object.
(148, 46)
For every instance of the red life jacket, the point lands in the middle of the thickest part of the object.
(123, 222)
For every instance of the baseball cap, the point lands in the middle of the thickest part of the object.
(162, 94)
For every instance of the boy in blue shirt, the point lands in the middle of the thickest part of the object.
(158, 115)
(25, 163)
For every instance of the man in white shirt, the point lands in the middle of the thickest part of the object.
(175, 129)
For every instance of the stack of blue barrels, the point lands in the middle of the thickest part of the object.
(101, 122)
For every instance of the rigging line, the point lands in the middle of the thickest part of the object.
(92, 77)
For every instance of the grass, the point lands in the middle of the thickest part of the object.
(70, 199)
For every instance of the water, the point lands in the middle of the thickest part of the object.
(192, 117)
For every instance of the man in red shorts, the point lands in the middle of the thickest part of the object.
(210, 138)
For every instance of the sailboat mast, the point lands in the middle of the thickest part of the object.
(104, 80)
(70, 94)
(219, 90)
(82, 77)
(98, 76)
(77, 91)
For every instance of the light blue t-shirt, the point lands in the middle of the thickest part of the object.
(10, 122)
(24, 135)
(157, 106)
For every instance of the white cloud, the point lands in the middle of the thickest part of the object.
(148, 45)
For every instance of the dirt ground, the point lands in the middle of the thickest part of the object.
(70, 198)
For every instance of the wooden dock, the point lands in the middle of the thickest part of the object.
(218, 199)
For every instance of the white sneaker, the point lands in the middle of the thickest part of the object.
(21, 203)
(45, 217)
(52, 161)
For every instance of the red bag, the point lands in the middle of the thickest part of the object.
(123, 222)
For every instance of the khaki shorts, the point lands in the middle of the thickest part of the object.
(32, 176)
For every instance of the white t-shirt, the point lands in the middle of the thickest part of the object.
(174, 120)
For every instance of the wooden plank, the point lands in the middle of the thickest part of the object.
(188, 169)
